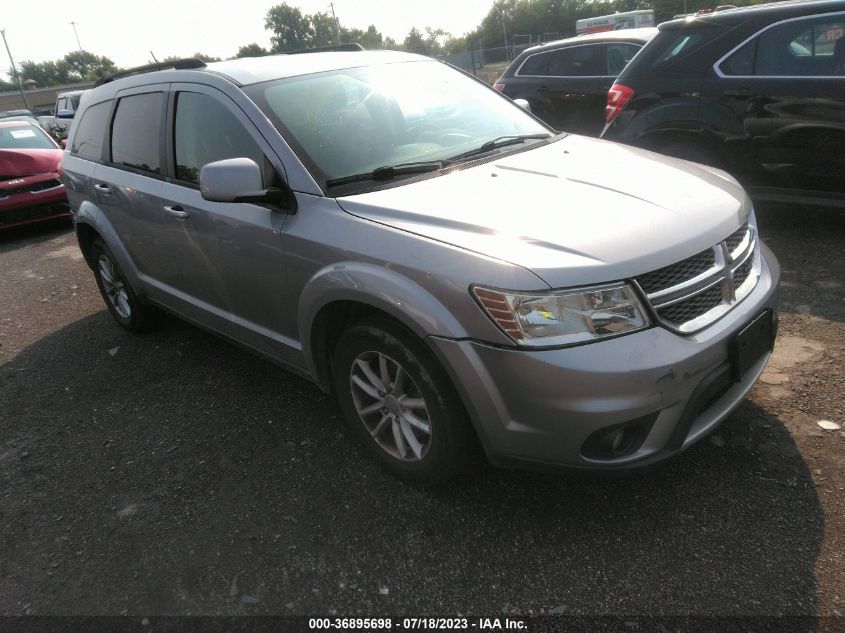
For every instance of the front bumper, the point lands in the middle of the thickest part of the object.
(543, 406)
(24, 207)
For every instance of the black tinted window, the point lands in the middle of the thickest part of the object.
(136, 131)
(206, 131)
(534, 65)
(576, 61)
(803, 48)
(88, 139)
(670, 45)
(618, 56)
(741, 63)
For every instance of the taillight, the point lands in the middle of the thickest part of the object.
(617, 98)
(498, 86)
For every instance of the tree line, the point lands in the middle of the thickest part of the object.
(292, 30)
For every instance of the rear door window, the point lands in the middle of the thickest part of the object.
(136, 132)
(803, 48)
(577, 61)
(534, 65)
(88, 140)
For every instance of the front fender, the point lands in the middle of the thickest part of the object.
(379, 287)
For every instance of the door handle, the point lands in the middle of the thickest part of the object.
(103, 189)
(176, 211)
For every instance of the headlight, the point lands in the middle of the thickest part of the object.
(564, 317)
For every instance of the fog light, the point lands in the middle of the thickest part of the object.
(619, 440)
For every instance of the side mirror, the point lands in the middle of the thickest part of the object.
(65, 114)
(237, 180)
(523, 103)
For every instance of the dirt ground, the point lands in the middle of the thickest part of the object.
(172, 473)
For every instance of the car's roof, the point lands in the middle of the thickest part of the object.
(70, 93)
(250, 70)
(785, 9)
(641, 34)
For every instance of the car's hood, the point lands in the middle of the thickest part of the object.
(15, 163)
(575, 211)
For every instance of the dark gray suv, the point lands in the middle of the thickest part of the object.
(417, 244)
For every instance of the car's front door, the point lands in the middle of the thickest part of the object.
(229, 254)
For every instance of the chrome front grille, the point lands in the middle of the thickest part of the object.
(695, 292)
(669, 276)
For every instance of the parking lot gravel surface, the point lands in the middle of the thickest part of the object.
(174, 473)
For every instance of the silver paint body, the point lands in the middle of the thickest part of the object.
(572, 212)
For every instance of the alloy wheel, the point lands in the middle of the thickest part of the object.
(390, 405)
(114, 286)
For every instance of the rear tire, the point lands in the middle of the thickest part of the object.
(400, 404)
(117, 293)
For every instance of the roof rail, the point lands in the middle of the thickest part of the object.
(351, 47)
(176, 64)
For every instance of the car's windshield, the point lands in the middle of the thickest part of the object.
(355, 120)
(24, 137)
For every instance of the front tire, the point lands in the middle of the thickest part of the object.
(399, 403)
(118, 295)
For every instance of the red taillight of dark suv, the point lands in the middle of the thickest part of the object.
(499, 86)
(617, 98)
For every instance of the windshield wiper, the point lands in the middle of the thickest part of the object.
(495, 143)
(388, 172)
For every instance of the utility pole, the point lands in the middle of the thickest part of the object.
(505, 35)
(14, 69)
(336, 23)
(73, 24)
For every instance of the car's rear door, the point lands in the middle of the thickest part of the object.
(787, 85)
(575, 87)
(127, 184)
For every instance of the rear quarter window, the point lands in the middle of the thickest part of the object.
(670, 46)
(88, 139)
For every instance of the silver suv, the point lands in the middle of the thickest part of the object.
(454, 271)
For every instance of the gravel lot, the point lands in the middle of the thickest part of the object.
(172, 473)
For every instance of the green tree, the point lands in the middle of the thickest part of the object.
(252, 50)
(323, 30)
(50, 73)
(291, 30)
(294, 30)
(74, 67)
(85, 66)
(206, 57)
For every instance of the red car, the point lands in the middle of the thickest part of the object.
(30, 186)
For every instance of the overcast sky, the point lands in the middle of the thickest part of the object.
(126, 32)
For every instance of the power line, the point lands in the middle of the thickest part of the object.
(73, 24)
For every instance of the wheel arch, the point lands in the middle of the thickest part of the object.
(342, 294)
(91, 224)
